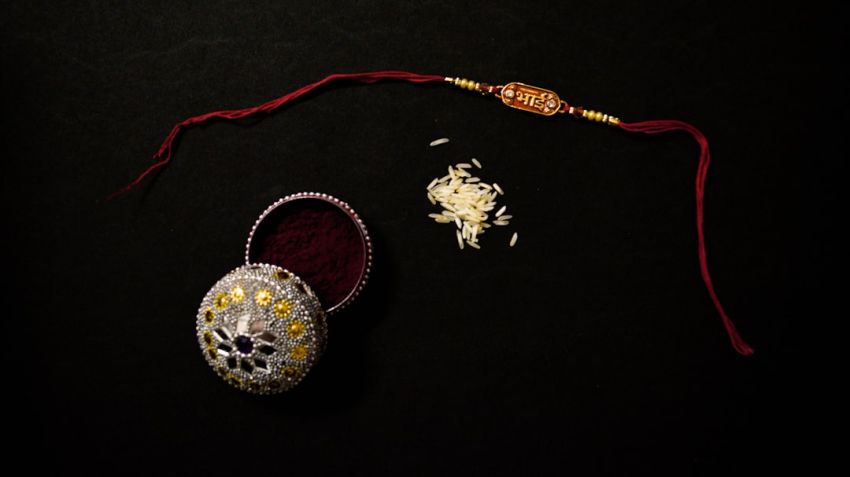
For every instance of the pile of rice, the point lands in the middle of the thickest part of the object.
(467, 202)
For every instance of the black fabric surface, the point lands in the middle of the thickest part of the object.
(590, 348)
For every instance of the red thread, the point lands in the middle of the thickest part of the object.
(656, 127)
(163, 155)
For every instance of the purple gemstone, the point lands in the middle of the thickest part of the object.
(244, 344)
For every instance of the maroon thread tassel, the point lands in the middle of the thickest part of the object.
(662, 126)
(163, 155)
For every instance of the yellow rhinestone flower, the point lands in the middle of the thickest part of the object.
(263, 297)
(282, 308)
(289, 371)
(209, 315)
(237, 294)
(295, 329)
(221, 301)
(299, 352)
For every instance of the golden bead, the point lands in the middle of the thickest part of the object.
(464, 82)
(587, 114)
(599, 116)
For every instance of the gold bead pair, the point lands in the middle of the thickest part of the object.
(465, 83)
(599, 117)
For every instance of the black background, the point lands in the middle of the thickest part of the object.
(591, 347)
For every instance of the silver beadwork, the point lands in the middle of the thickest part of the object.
(261, 328)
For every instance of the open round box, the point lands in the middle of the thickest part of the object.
(263, 326)
(319, 238)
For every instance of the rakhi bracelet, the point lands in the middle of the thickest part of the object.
(265, 308)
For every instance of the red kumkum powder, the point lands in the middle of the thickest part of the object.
(315, 240)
